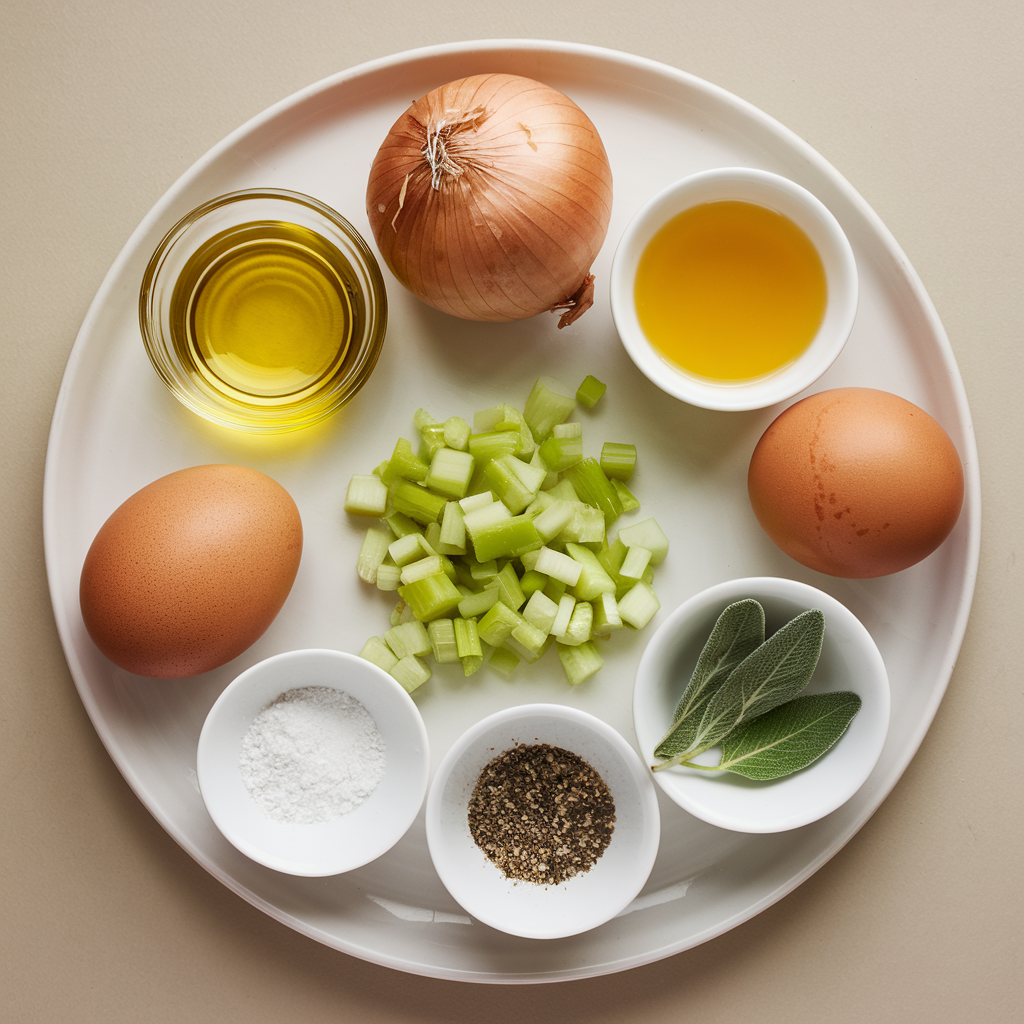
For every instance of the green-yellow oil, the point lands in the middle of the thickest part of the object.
(263, 313)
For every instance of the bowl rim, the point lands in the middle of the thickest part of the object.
(416, 762)
(673, 783)
(763, 188)
(650, 833)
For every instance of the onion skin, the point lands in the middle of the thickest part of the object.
(518, 216)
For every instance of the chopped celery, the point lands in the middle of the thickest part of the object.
(529, 637)
(389, 577)
(404, 464)
(484, 517)
(593, 578)
(431, 597)
(639, 605)
(379, 653)
(628, 499)
(566, 603)
(486, 420)
(546, 405)
(366, 495)
(473, 605)
(564, 490)
(503, 661)
(456, 433)
(507, 485)
(579, 662)
(450, 472)
(408, 638)
(508, 538)
(540, 611)
(571, 429)
(432, 436)
(441, 633)
(497, 625)
(467, 638)
(594, 488)
(635, 562)
(618, 460)
(431, 565)
(417, 502)
(590, 391)
(452, 537)
(410, 548)
(508, 587)
(372, 553)
(474, 501)
(482, 573)
(647, 534)
(606, 615)
(580, 626)
(402, 526)
(421, 418)
(561, 566)
(559, 453)
(554, 519)
(531, 581)
(493, 444)
(411, 672)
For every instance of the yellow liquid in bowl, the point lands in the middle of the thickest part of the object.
(730, 291)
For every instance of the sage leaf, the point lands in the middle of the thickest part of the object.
(775, 673)
(789, 737)
(738, 632)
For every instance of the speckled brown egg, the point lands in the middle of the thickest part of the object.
(856, 483)
(191, 570)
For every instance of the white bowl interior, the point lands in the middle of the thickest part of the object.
(849, 661)
(358, 837)
(776, 193)
(524, 908)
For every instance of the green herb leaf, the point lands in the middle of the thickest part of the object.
(738, 632)
(775, 673)
(790, 737)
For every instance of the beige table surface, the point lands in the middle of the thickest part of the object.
(104, 104)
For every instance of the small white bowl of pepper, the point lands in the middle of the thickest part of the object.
(542, 821)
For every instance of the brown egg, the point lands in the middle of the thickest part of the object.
(191, 570)
(856, 483)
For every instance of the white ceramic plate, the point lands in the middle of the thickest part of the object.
(116, 428)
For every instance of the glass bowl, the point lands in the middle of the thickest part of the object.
(263, 310)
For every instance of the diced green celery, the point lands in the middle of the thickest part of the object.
(474, 501)
(508, 538)
(404, 464)
(450, 472)
(554, 589)
(410, 548)
(554, 519)
(432, 437)
(408, 638)
(411, 672)
(590, 391)
(626, 496)
(529, 637)
(566, 603)
(635, 562)
(524, 653)
(531, 581)
(606, 615)
(593, 579)
(586, 526)
(550, 478)
(561, 566)
(548, 403)
(432, 535)
(417, 502)
(421, 418)
(471, 663)
(401, 614)
(497, 625)
(389, 577)
(503, 661)
(467, 638)
(452, 536)
(541, 501)
(486, 420)
(473, 605)
(527, 445)
(372, 552)
(507, 484)
(494, 444)
(564, 430)
(431, 597)
(540, 611)
(639, 605)
(579, 662)
(379, 653)
(456, 433)
(594, 488)
(530, 476)
(581, 625)
(366, 495)
(402, 526)
(647, 534)
(564, 490)
(441, 633)
(482, 573)
(484, 517)
(559, 453)
(618, 460)
(421, 568)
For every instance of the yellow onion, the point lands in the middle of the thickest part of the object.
(490, 198)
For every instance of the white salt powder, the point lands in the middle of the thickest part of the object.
(312, 755)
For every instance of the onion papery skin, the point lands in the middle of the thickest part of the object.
(515, 233)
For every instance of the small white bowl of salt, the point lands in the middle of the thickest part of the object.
(313, 762)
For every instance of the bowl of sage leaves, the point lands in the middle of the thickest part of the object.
(761, 705)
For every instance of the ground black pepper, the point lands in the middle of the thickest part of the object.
(541, 813)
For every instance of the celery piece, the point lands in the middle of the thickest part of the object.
(503, 661)
(593, 579)
(635, 562)
(639, 605)
(441, 633)
(431, 597)
(452, 536)
(410, 548)
(421, 568)
(372, 552)
(540, 611)
(606, 615)
(389, 577)
(618, 460)
(564, 490)
(473, 605)
(554, 518)
(507, 484)
(590, 391)
(550, 478)
(527, 445)
(563, 430)
(411, 672)
(542, 502)
(366, 495)
(547, 404)
(408, 638)
(647, 534)
(508, 587)
(482, 573)
(467, 638)
(485, 517)
(432, 438)
(421, 418)
(566, 603)
(561, 566)
(559, 453)
(531, 581)
(378, 652)
(585, 526)
(416, 502)
(486, 420)
(497, 625)
(508, 538)
(456, 433)
(580, 662)
(594, 488)
(626, 497)
(471, 663)
(474, 501)
(402, 526)
(531, 477)
(494, 444)
(450, 472)
(529, 637)
(581, 625)
(554, 589)
(404, 464)
(432, 535)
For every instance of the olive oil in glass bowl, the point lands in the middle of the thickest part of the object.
(263, 310)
